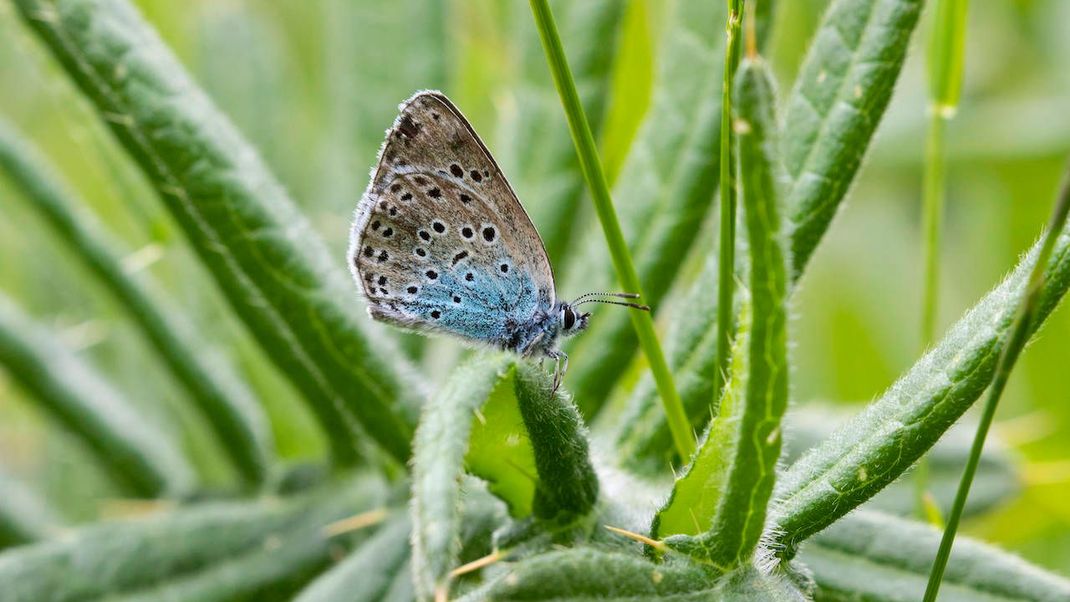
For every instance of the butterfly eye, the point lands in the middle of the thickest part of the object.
(569, 318)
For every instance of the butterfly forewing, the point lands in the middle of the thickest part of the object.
(440, 241)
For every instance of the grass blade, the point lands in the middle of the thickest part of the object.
(536, 142)
(644, 443)
(231, 410)
(726, 272)
(664, 193)
(618, 248)
(24, 516)
(273, 269)
(874, 448)
(115, 558)
(740, 517)
(1021, 330)
(832, 113)
(139, 457)
(872, 556)
(438, 464)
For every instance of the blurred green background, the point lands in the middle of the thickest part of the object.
(315, 83)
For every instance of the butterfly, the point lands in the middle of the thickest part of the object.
(441, 244)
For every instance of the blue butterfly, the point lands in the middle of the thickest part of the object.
(440, 242)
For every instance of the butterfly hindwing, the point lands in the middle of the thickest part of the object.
(440, 241)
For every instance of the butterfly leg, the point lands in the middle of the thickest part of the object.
(560, 368)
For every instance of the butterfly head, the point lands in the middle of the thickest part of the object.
(572, 321)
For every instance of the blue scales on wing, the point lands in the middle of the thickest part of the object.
(440, 241)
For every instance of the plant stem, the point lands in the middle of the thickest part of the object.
(1018, 338)
(945, 70)
(682, 435)
(727, 257)
(932, 218)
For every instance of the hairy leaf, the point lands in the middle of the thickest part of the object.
(216, 390)
(536, 144)
(438, 465)
(996, 482)
(740, 517)
(567, 481)
(591, 574)
(369, 572)
(879, 558)
(274, 270)
(139, 457)
(875, 447)
(840, 95)
(123, 557)
(663, 194)
(24, 516)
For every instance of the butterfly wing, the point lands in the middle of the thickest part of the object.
(440, 241)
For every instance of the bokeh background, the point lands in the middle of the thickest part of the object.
(314, 83)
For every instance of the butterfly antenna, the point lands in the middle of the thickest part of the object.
(608, 302)
(617, 295)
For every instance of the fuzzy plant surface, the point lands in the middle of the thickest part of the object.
(648, 475)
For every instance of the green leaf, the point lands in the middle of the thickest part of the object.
(138, 456)
(697, 493)
(500, 453)
(567, 482)
(879, 558)
(438, 465)
(401, 589)
(110, 559)
(536, 148)
(273, 269)
(875, 447)
(663, 194)
(764, 20)
(592, 574)
(997, 479)
(216, 390)
(843, 87)
(369, 572)
(644, 442)
(631, 84)
(755, 444)
(24, 516)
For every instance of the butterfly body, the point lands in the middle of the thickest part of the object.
(440, 242)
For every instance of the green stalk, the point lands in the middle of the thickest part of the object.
(1018, 338)
(726, 270)
(932, 218)
(945, 62)
(643, 323)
